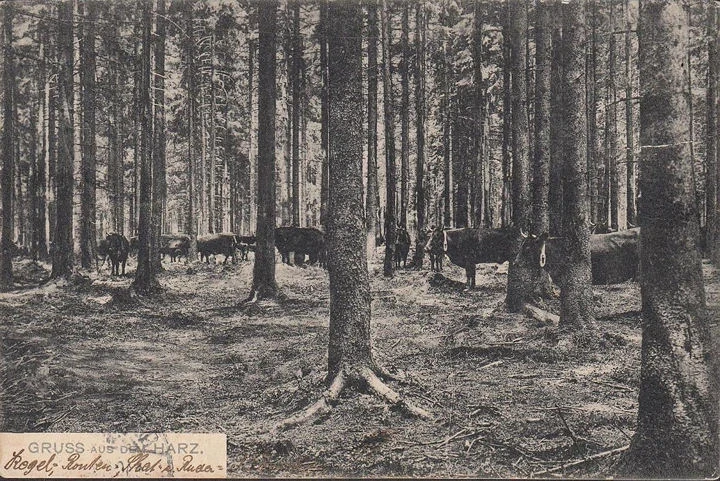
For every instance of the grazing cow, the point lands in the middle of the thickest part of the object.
(468, 247)
(118, 248)
(245, 243)
(217, 244)
(301, 241)
(402, 246)
(614, 257)
(176, 245)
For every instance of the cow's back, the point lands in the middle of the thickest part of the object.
(615, 256)
(478, 245)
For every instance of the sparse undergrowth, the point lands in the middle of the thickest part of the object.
(508, 397)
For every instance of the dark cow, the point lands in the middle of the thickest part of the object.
(615, 257)
(175, 245)
(402, 246)
(118, 248)
(302, 241)
(601, 228)
(245, 244)
(102, 252)
(212, 244)
(468, 247)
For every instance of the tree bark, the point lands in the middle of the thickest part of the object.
(88, 146)
(296, 69)
(191, 220)
(390, 175)
(264, 268)
(677, 433)
(158, 144)
(479, 112)
(557, 131)
(445, 108)
(6, 181)
(145, 280)
(629, 128)
(507, 142)
(371, 204)
(420, 207)
(611, 149)
(78, 8)
(349, 340)
(324, 115)
(404, 115)
(62, 251)
(576, 299)
(541, 157)
(711, 162)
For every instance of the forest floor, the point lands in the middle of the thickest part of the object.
(509, 398)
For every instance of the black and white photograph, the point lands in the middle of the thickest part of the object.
(360, 238)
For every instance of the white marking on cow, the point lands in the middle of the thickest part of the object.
(444, 241)
(543, 258)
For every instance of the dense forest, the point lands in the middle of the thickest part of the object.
(365, 133)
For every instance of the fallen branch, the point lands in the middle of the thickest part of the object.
(540, 315)
(490, 364)
(582, 461)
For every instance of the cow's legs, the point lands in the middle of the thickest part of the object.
(470, 275)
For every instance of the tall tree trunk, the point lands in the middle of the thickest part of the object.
(519, 275)
(158, 144)
(145, 274)
(445, 108)
(390, 176)
(135, 191)
(479, 119)
(541, 158)
(576, 299)
(629, 129)
(324, 115)
(6, 181)
(557, 131)
(251, 196)
(507, 153)
(53, 95)
(404, 116)
(62, 252)
(191, 220)
(212, 154)
(43, 93)
(349, 343)
(613, 174)
(677, 429)
(116, 171)
(712, 174)
(373, 191)
(88, 195)
(78, 9)
(296, 69)
(592, 105)
(264, 268)
(419, 77)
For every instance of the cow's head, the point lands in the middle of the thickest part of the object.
(436, 240)
(532, 250)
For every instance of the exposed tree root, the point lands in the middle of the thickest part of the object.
(539, 314)
(365, 378)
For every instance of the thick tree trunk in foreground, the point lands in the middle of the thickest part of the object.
(62, 252)
(576, 297)
(6, 182)
(350, 359)
(390, 176)
(711, 163)
(629, 124)
(145, 274)
(324, 114)
(371, 205)
(88, 148)
(677, 434)
(541, 157)
(557, 133)
(264, 268)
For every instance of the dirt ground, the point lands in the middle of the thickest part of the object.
(508, 399)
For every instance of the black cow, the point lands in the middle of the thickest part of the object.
(245, 243)
(134, 245)
(102, 251)
(601, 228)
(614, 257)
(468, 247)
(302, 241)
(212, 244)
(402, 246)
(118, 248)
(175, 245)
